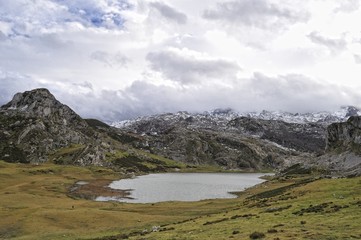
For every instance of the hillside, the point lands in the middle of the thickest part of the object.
(35, 205)
(36, 128)
(227, 140)
(56, 162)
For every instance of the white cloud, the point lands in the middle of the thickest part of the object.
(42, 16)
(117, 59)
(294, 93)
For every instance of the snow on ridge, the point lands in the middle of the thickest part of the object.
(220, 117)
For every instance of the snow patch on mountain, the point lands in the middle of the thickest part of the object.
(220, 117)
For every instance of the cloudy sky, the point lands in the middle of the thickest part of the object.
(118, 59)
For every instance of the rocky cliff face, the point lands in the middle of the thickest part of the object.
(343, 149)
(345, 136)
(307, 137)
(34, 126)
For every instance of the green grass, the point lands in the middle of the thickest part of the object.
(34, 205)
(116, 155)
(66, 155)
(141, 161)
(276, 215)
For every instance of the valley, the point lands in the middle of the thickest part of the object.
(54, 164)
(35, 205)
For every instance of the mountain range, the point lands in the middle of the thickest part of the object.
(223, 115)
(37, 128)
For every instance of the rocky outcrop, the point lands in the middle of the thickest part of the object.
(345, 136)
(35, 127)
(343, 149)
(308, 137)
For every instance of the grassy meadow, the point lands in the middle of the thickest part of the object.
(34, 204)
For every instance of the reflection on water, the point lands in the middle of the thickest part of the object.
(184, 186)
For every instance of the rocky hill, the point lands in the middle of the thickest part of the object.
(343, 150)
(34, 125)
(227, 140)
(345, 136)
(235, 140)
(37, 128)
(342, 156)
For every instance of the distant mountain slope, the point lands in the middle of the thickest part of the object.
(226, 139)
(313, 117)
(222, 116)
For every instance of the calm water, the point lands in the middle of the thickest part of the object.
(184, 186)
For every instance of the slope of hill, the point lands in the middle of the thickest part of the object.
(226, 139)
(37, 128)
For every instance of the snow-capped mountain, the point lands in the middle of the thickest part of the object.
(323, 117)
(220, 117)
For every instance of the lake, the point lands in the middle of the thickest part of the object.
(163, 187)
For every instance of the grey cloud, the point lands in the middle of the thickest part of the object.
(357, 58)
(255, 13)
(293, 93)
(188, 69)
(332, 44)
(348, 6)
(110, 60)
(2, 36)
(84, 85)
(298, 93)
(169, 12)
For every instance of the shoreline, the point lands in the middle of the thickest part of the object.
(91, 190)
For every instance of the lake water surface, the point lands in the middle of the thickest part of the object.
(184, 186)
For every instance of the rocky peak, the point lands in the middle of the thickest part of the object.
(35, 124)
(31, 99)
(40, 103)
(352, 111)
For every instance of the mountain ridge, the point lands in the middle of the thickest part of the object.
(36, 128)
(226, 114)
